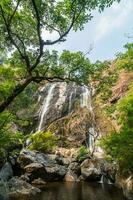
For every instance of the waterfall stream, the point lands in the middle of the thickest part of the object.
(45, 106)
(85, 97)
(70, 103)
(105, 180)
(85, 101)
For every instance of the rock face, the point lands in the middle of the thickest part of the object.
(19, 189)
(91, 170)
(6, 172)
(65, 109)
(73, 172)
(98, 170)
(39, 183)
(58, 99)
(73, 128)
(3, 191)
(50, 167)
(45, 166)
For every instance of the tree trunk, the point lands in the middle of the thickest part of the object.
(17, 90)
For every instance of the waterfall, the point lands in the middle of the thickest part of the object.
(109, 182)
(70, 103)
(102, 179)
(85, 101)
(91, 138)
(45, 106)
(84, 97)
(106, 180)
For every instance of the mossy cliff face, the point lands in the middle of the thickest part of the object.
(72, 128)
(66, 111)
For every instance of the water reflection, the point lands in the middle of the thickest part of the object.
(81, 191)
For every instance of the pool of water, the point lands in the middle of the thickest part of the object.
(81, 191)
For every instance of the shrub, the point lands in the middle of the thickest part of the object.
(125, 60)
(82, 153)
(9, 142)
(43, 141)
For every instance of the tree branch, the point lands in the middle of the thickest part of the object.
(27, 60)
(41, 45)
(61, 36)
(10, 20)
(74, 19)
(17, 90)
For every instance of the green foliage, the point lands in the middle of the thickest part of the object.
(21, 26)
(120, 145)
(43, 141)
(82, 154)
(26, 100)
(107, 79)
(9, 139)
(110, 109)
(125, 60)
(125, 107)
(7, 81)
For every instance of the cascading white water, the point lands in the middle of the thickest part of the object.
(70, 103)
(102, 179)
(91, 138)
(85, 101)
(84, 97)
(45, 106)
(105, 180)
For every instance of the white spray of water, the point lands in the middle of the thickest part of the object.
(91, 138)
(85, 100)
(102, 179)
(45, 106)
(70, 103)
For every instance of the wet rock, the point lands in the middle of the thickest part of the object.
(75, 167)
(3, 190)
(71, 177)
(54, 173)
(110, 170)
(69, 153)
(25, 178)
(6, 172)
(26, 157)
(91, 170)
(19, 189)
(41, 165)
(39, 183)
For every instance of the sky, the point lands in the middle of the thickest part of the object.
(106, 33)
